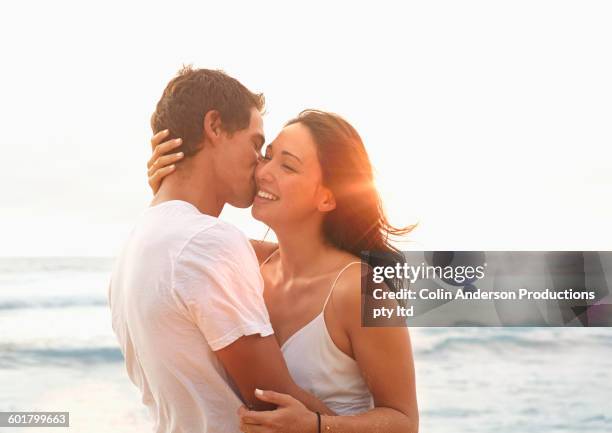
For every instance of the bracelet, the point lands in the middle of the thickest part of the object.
(318, 422)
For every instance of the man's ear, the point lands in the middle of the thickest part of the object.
(327, 201)
(212, 126)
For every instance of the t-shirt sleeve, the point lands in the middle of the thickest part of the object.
(217, 278)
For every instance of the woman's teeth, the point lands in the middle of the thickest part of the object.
(266, 195)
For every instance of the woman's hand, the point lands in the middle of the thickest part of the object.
(291, 416)
(161, 165)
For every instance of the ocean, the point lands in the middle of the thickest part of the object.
(58, 353)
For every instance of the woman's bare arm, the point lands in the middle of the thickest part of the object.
(384, 356)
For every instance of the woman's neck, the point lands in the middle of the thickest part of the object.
(302, 250)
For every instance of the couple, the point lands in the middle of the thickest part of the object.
(209, 322)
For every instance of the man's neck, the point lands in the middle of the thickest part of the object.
(193, 186)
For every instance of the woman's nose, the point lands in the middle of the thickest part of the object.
(262, 171)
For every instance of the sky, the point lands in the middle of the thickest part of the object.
(488, 123)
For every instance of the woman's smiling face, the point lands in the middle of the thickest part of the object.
(289, 180)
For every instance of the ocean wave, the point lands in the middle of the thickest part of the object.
(598, 419)
(12, 265)
(70, 357)
(454, 412)
(513, 339)
(19, 304)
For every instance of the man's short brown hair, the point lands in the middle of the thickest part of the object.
(195, 92)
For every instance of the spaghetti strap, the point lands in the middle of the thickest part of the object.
(334, 284)
(269, 257)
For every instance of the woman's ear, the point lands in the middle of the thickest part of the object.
(212, 126)
(327, 202)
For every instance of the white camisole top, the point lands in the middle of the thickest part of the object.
(319, 367)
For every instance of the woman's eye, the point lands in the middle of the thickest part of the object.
(285, 166)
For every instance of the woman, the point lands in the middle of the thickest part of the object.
(316, 191)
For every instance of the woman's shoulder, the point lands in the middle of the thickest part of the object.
(347, 286)
(350, 268)
(263, 250)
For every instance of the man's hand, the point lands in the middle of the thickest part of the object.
(290, 416)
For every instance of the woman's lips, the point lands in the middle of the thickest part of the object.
(266, 196)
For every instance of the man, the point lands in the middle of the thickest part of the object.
(186, 293)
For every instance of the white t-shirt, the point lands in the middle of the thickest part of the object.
(185, 285)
